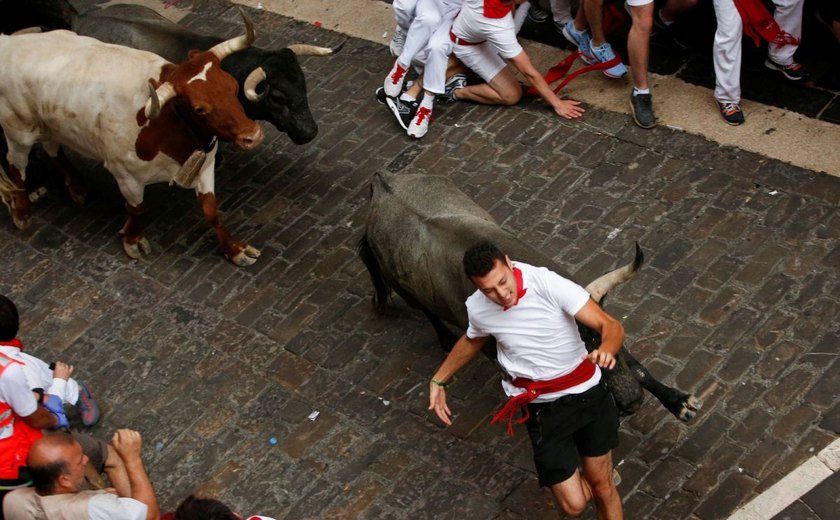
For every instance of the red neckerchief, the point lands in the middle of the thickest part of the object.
(14, 343)
(496, 9)
(520, 291)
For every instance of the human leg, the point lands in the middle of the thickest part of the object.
(427, 18)
(598, 474)
(502, 89)
(104, 458)
(594, 12)
(726, 54)
(638, 41)
(501, 86)
(577, 32)
(788, 14)
(404, 14)
(434, 74)
(567, 431)
(638, 50)
(601, 49)
(561, 11)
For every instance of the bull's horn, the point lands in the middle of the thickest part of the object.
(256, 77)
(302, 49)
(158, 98)
(604, 284)
(28, 30)
(228, 47)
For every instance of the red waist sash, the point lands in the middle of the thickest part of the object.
(533, 389)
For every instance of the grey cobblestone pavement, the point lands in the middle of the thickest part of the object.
(738, 302)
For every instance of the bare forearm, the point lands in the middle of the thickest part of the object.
(41, 419)
(612, 337)
(462, 353)
(538, 82)
(141, 487)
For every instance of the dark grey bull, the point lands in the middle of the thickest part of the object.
(417, 231)
(272, 84)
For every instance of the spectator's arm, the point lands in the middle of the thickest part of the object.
(567, 108)
(41, 419)
(128, 444)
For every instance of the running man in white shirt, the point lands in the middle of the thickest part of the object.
(571, 419)
(484, 33)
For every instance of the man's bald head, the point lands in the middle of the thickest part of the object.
(50, 458)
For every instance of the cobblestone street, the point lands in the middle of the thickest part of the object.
(223, 368)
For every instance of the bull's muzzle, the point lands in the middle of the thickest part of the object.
(250, 140)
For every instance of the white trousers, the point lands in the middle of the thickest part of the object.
(420, 19)
(726, 50)
(434, 59)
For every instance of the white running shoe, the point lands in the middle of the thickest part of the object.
(420, 123)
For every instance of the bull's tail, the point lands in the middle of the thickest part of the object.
(382, 291)
(599, 287)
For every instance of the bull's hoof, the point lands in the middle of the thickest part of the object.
(78, 196)
(689, 408)
(37, 195)
(21, 222)
(246, 257)
(138, 249)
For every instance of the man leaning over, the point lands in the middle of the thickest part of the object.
(57, 467)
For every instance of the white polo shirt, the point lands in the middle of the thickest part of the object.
(537, 338)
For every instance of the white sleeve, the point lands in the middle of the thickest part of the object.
(15, 391)
(107, 506)
(566, 294)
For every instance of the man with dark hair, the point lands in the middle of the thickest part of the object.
(198, 508)
(44, 379)
(57, 466)
(571, 419)
(21, 416)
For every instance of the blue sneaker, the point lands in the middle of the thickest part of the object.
(604, 53)
(581, 41)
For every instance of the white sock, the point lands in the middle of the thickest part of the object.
(406, 97)
(637, 91)
(428, 101)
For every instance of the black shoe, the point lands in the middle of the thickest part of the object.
(731, 113)
(380, 95)
(455, 82)
(537, 14)
(403, 110)
(642, 107)
(793, 72)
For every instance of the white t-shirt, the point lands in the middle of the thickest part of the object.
(107, 506)
(471, 25)
(39, 375)
(537, 338)
(15, 392)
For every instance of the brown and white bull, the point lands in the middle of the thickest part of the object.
(417, 230)
(147, 120)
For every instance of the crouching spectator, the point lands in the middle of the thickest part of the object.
(57, 464)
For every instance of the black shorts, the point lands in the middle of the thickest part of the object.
(584, 425)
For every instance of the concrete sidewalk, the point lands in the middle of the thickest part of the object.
(769, 131)
(222, 369)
